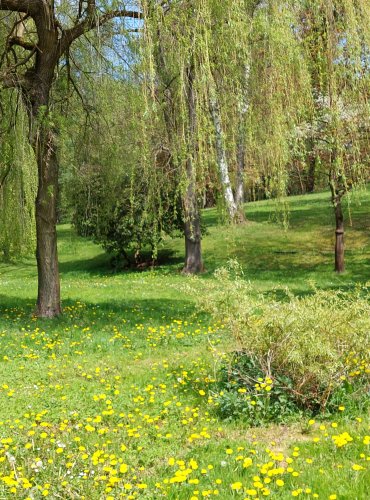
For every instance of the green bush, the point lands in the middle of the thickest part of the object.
(314, 348)
(245, 391)
(120, 217)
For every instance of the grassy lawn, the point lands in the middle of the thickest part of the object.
(114, 399)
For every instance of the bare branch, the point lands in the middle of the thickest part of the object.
(20, 42)
(92, 20)
(30, 7)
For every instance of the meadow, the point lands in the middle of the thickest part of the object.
(117, 397)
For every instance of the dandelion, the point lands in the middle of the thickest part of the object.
(357, 467)
(236, 486)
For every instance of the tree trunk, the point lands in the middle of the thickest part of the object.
(222, 163)
(48, 298)
(339, 237)
(310, 183)
(336, 199)
(192, 231)
(34, 76)
(239, 189)
(192, 227)
(36, 94)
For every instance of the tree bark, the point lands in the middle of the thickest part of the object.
(339, 237)
(36, 88)
(192, 226)
(192, 229)
(222, 162)
(48, 298)
(239, 189)
(336, 198)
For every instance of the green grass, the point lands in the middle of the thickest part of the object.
(117, 359)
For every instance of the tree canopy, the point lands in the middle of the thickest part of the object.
(128, 119)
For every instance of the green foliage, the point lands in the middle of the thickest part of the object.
(121, 191)
(115, 214)
(18, 183)
(279, 99)
(251, 62)
(335, 36)
(244, 391)
(315, 343)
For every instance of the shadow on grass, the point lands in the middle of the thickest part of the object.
(103, 264)
(15, 311)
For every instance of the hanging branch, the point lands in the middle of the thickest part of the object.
(4, 177)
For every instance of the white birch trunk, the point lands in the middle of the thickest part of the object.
(222, 158)
(244, 106)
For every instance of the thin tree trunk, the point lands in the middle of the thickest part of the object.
(243, 112)
(239, 189)
(299, 177)
(310, 184)
(192, 226)
(339, 237)
(222, 163)
(336, 197)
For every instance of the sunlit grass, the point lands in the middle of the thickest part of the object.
(93, 405)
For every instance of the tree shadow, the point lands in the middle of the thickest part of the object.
(101, 314)
(104, 264)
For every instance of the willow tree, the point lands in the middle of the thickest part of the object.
(279, 95)
(228, 77)
(18, 182)
(174, 51)
(186, 68)
(38, 39)
(337, 35)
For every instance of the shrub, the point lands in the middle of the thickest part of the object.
(317, 344)
(245, 391)
(121, 217)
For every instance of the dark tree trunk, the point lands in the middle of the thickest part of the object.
(36, 93)
(339, 237)
(192, 227)
(35, 80)
(337, 193)
(48, 298)
(193, 237)
(310, 183)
